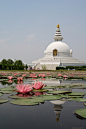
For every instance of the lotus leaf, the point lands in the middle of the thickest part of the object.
(7, 88)
(23, 102)
(76, 93)
(58, 92)
(7, 91)
(3, 100)
(64, 96)
(81, 112)
(81, 99)
(49, 87)
(1, 94)
(40, 90)
(51, 97)
(72, 99)
(75, 96)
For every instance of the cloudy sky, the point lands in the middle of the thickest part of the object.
(27, 27)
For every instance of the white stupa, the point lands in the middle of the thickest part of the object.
(58, 54)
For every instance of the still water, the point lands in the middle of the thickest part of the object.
(45, 115)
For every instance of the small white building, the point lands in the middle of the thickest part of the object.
(58, 54)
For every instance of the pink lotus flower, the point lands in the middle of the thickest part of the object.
(23, 88)
(20, 78)
(65, 76)
(10, 81)
(20, 82)
(23, 75)
(48, 74)
(59, 75)
(34, 74)
(38, 85)
(10, 77)
(41, 75)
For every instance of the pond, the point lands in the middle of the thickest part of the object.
(45, 115)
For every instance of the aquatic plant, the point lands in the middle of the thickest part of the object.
(23, 88)
(41, 75)
(10, 77)
(38, 85)
(59, 75)
(20, 78)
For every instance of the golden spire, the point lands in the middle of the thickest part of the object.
(58, 26)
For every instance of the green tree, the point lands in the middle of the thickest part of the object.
(4, 64)
(26, 66)
(18, 65)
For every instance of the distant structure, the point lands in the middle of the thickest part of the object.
(57, 54)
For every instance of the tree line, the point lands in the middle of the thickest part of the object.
(12, 65)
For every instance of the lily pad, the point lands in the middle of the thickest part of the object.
(81, 112)
(23, 102)
(40, 90)
(64, 96)
(49, 87)
(72, 99)
(7, 92)
(81, 99)
(7, 88)
(3, 100)
(1, 94)
(75, 96)
(58, 92)
(51, 97)
(76, 93)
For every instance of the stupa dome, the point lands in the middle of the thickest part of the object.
(57, 54)
(59, 46)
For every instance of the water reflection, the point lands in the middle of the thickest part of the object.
(57, 110)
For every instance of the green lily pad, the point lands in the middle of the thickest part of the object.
(58, 92)
(72, 99)
(75, 96)
(81, 99)
(3, 100)
(7, 92)
(48, 87)
(76, 93)
(64, 96)
(1, 94)
(81, 112)
(23, 102)
(7, 88)
(40, 90)
(37, 99)
(51, 97)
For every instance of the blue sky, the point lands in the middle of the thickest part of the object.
(27, 27)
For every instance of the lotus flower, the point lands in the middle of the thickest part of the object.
(33, 76)
(23, 88)
(20, 78)
(10, 77)
(65, 76)
(59, 75)
(38, 85)
(10, 81)
(41, 75)
(23, 75)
